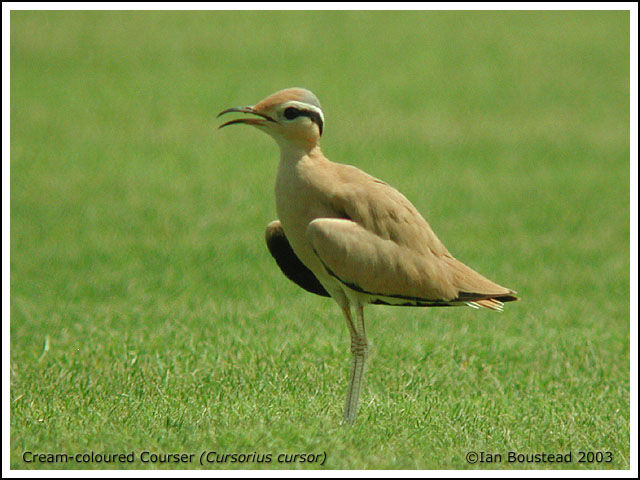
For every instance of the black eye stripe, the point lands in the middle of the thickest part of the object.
(315, 117)
(290, 113)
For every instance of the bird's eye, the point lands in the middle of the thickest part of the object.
(291, 113)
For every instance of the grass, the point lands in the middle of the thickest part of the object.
(147, 315)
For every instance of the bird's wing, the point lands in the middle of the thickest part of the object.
(383, 247)
(289, 263)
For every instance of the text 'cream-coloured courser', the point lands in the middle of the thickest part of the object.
(345, 234)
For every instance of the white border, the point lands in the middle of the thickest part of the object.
(633, 297)
(475, 6)
(6, 40)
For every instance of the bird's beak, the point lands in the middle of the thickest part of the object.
(249, 121)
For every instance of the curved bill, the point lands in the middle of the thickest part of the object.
(249, 121)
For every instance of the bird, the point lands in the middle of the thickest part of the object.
(344, 234)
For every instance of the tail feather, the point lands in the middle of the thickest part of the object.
(478, 291)
(490, 303)
(470, 282)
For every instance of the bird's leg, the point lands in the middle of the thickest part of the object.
(359, 348)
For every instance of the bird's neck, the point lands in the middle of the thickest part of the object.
(291, 154)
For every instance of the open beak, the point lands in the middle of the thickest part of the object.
(249, 121)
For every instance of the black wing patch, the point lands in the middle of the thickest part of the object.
(289, 263)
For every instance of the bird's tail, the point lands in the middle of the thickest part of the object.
(478, 291)
(490, 303)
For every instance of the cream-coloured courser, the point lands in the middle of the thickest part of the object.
(345, 234)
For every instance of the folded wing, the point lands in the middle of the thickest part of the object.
(383, 247)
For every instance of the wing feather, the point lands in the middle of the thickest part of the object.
(383, 246)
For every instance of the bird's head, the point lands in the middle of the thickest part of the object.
(293, 117)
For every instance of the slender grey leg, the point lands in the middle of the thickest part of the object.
(359, 348)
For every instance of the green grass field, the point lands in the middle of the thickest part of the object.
(147, 314)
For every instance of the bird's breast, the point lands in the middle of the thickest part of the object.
(298, 203)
